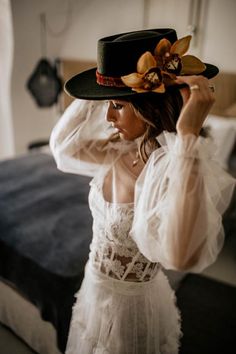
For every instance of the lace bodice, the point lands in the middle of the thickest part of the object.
(112, 250)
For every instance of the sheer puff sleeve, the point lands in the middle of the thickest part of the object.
(79, 140)
(179, 200)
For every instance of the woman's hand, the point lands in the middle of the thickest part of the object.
(198, 99)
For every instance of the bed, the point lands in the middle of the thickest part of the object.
(45, 231)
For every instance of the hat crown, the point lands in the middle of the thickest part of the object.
(118, 55)
(136, 35)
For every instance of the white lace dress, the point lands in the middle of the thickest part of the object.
(125, 304)
(172, 215)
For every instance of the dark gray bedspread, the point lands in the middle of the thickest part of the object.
(45, 231)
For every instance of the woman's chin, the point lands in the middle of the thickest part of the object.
(127, 137)
(124, 136)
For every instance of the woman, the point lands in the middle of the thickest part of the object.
(156, 197)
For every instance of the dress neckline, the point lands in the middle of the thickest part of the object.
(99, 185)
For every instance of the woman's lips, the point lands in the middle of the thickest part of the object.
(119, 129)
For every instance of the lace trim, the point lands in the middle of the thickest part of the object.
(136, 268)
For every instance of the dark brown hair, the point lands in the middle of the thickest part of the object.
(160, 112)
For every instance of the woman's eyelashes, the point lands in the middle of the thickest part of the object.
(117, 106)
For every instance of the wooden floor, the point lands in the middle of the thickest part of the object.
(11, 344)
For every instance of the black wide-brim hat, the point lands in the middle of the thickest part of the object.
(117, 56)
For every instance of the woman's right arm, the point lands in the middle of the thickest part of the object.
(77, 140)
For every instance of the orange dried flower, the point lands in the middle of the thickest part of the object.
(156, 72)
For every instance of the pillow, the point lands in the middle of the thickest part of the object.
(223, 133)
(231, 110)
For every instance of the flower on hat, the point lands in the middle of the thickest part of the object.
(148, 76)
(158, 71)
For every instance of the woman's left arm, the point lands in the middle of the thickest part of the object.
(198, 99)
(182, 194)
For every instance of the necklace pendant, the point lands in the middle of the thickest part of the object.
(135, 162)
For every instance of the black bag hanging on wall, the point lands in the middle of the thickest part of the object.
(44, 83)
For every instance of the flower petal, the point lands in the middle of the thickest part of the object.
(162, 47)
(132, 80)
(192, 65)
(181, 46)
(145, 62)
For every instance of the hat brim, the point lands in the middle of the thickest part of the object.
(85, 86)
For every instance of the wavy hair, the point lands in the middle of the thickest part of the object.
(160, 112)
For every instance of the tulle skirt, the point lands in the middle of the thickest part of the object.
(120, 317)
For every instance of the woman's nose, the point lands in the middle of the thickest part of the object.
(110, 117)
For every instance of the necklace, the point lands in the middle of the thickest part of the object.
(137, 158)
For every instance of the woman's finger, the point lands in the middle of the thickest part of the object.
(197, 84)
(198, 99)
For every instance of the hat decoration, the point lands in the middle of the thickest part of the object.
(157, 71)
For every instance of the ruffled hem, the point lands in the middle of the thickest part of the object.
(119, 317)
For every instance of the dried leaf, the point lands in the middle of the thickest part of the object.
(192, 65)
(145, 62)
(181, 45)
(132, 80)
(162, 47)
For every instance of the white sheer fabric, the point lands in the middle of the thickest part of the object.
(78, 141)
(181, 194)
(165, 213)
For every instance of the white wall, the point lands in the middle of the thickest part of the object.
(216, 29)
(6, 60)
(219, 46)
(92, 19)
